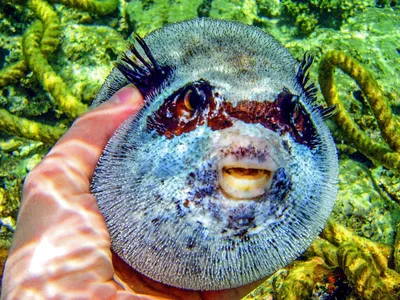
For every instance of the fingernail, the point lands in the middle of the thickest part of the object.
(128, 93)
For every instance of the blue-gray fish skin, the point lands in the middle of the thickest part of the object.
(229, 171)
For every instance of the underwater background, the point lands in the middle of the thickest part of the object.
(55, 54)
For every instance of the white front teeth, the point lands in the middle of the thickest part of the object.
(243, 183)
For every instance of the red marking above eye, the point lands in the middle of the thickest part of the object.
(196, 104)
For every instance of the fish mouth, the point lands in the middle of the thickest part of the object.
(244, 182)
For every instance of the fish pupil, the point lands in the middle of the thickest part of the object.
(197, 98)
(194, 96)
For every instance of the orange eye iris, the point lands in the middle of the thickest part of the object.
(186, 101)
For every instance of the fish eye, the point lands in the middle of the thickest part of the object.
(194, 98)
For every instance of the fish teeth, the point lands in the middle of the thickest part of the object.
(244, 183)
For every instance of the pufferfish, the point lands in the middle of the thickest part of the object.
(229, 171)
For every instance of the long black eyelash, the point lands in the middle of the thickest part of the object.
(147, 51)
(328, 111)
(143, 71)
(303, 76)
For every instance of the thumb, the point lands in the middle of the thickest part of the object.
(94, 128)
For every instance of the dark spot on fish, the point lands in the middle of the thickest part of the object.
(191, 243)
(179, 211)
(239, 223)
(186, 203)
(281, 186)
(230, 245)
(286, 146)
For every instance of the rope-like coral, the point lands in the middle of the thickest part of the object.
(12, 73)
(29, 129)
(324, 249)
(366, 263)
(388, 125)
(359, 268)
(301, 280)
(45, 12)
(338, 234)
(54, 84)
(39, 41)
(51, 23)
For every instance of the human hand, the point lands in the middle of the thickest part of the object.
(61, 247)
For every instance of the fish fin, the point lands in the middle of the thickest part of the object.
(142, 70)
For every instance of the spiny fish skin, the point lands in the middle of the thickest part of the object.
(229, 172)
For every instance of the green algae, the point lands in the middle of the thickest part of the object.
(369, 194)
(93, 58)
(146, 16)
(365, 208)
(269, 8)
(243, 11)
(307, 15)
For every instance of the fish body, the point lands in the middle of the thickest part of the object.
(229, 171)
